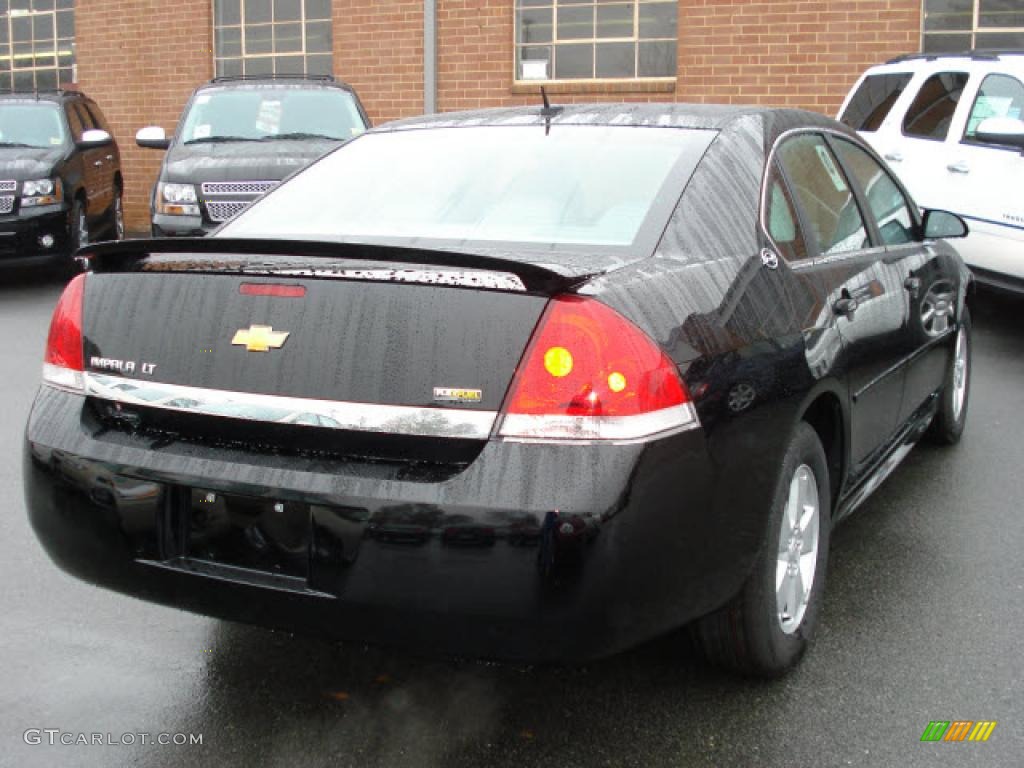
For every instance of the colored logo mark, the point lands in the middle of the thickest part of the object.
(958, 730)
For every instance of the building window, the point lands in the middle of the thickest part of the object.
(581, 40)
(963, 25)
(263, 37)
(37, 44)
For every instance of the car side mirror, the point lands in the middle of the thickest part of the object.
(1006, 131)
(152, 137)
(943, 225)
(94, 138)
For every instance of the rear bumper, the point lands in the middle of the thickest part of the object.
(476, 564)
(20, 235)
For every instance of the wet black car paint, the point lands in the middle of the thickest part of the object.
(538, 551)
(89, 173)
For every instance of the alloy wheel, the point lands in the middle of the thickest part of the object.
(960, 362)
(937, 309)
(118, 218)
(797, 558)
(83, 228)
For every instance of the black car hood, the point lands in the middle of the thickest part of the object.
(241, 160)
(21, 163)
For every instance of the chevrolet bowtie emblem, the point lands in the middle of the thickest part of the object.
(260, 338)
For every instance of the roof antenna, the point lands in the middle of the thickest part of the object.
(548, 111)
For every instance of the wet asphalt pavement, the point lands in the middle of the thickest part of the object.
(923, 620)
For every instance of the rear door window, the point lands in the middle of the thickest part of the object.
(999, 96)
(932, 110)
(871, 104)
(823, 194)
(781, 219)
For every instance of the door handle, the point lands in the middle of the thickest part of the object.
(894, 157)
(913, 285)
(98, 163)
(845, 306)
(958, 168)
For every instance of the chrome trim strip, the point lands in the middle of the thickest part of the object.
(589, 429)
(878, 477)
(330, 414)
(63, 378)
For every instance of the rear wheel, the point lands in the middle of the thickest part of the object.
(766, 628)
(948, 424)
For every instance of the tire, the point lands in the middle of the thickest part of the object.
(948, 424)
(759, 632)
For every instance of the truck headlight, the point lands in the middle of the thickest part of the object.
(41, 192)
(177, 200)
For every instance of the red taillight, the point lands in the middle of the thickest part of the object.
(63, 362)
(589, 373)
(272, 289)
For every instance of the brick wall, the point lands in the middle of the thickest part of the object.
(378, 48)
(804, 54)
(140, 60)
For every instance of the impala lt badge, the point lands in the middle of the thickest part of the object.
(260, 338)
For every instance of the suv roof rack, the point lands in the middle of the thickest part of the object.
(37, 92)
(978, 54)
(282, 76)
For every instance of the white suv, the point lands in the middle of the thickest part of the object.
(951, 127)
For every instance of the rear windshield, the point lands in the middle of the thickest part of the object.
(874, 98)
(587, 185)
(31, 125)
(262, 113)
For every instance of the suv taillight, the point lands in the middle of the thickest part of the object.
(590, 374)
(63, 364)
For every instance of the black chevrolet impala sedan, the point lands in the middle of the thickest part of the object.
(532, 384)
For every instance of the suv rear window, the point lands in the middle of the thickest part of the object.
(932, 111)
(871, 103)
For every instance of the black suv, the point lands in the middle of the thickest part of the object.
(238, 138)
(60, 176)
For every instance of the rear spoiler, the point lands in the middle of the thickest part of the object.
(242, 256)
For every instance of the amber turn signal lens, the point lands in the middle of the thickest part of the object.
(558, 362)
